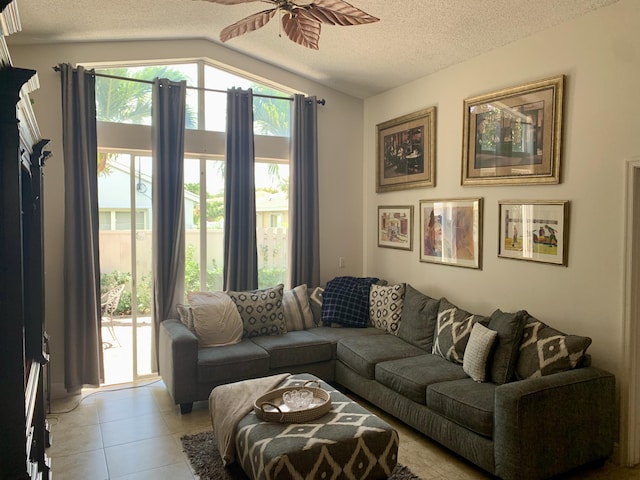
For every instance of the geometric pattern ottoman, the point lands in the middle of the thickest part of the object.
(349, 442)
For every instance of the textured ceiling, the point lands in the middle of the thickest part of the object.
(413, 38)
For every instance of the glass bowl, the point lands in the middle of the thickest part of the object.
(297, 399)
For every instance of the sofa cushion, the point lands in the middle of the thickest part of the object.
(465, 402)
(509, 327)
(479, 348)
(333, 335)
(345, 301)
(418, 321)
(216, 320)
(453, 328)
(261, 311)
(232, 362)
(362, 353)
(297, 312)
(294, 348)
(545, 350)
(411, 376)
(385, 306)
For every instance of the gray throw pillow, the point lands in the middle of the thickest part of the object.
(186, 315)
(418, 319)
(509, 327)
(453, 329)
(261, 311)
(476, 355)
(545, 350)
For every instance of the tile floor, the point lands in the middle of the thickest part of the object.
(134, 434)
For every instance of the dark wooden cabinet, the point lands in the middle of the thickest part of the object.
(24, 434)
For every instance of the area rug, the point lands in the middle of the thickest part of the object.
(202, 450)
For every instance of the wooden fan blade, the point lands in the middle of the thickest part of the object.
(337, 12)
(236, 2)
(302, 30)
(248, 24)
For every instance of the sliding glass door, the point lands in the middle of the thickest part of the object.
(124, 203)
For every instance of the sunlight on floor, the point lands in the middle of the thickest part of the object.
(118, 351)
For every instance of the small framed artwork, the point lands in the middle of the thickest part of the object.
(534, 230)
(451, 232)
(395, 227)
(514, 136)
(406, 151)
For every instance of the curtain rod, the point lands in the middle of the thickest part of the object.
(321, 101)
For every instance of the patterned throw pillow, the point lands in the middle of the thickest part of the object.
(315, 302)
(545, 350)
(453, 328)
(216, 320)
(385, 307)
(297, 313)
(261, 311)
(476, 355)
(345, 301)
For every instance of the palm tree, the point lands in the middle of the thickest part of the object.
(124, 101)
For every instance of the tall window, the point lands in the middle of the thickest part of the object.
(125, 192)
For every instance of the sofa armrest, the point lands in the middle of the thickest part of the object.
(549, 425)
(178, 360)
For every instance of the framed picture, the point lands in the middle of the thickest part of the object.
(514, 136)
(451, 232)
(534, 230)
(395, 227)
(406, 151)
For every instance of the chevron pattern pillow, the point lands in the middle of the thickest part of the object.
(453, 328)
(545, 350)
(261, 311)
(385, 307)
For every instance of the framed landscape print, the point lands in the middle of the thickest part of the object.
(534, 230)
(406, 152)
(451, 232)
(395, 227)
(514, 136)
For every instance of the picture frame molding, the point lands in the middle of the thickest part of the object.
(564, 231)
(410, 213)
(476, 262)
(551, 155)
(425, 179)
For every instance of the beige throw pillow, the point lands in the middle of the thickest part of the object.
(297, 312)
(216, 320)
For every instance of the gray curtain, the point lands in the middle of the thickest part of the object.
(168, 113)
(240, 250)
(82, 319)
(303, 196)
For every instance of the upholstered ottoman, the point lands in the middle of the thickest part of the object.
(348, 442)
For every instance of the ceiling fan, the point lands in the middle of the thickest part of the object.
(301, 20)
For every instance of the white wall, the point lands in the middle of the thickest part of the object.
(600, 56)
(340, 155)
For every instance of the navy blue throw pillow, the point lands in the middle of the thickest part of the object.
(345, 301)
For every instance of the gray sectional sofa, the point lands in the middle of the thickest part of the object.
(562, 416)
